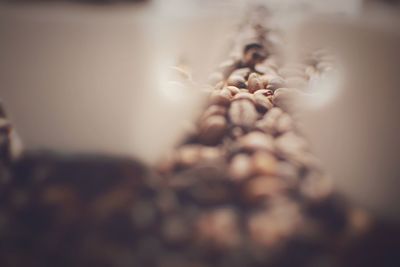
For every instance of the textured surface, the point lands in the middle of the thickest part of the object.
(242, 190)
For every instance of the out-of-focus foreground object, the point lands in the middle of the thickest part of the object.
(87, 79)
(354, 124)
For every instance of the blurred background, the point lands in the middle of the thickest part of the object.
(199, 133)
